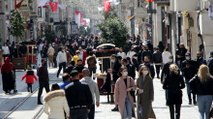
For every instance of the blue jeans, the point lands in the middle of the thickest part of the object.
(204, 103)
(127, 109)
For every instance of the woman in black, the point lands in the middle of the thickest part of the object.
(173, 84)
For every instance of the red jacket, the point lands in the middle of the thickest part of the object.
(29, 78)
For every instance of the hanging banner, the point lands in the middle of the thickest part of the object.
(53, 6)
(107, 6)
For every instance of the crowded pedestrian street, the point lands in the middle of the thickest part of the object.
(11, 106)
(106, 59)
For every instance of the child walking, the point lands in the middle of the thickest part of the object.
(30, 77)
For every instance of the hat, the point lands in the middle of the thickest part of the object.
(74, 72)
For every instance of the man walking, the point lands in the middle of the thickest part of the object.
(94, 90)
(43, 77)
(79, 97)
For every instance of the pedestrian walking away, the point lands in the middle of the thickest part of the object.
(43, 78)
(79, 97)
(55, 103)
(94, 90)
(30, 78)
(202, 85)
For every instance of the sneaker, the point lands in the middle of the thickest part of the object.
(115, 109)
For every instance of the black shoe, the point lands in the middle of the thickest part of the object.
(115, 109)
(195, 103)
(190, 102)
(39, 103)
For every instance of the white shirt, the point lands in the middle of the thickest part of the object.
(165, 56)
(61, 57)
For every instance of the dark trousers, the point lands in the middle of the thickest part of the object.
(61, 65)
(29, 87)
(79, 114)
(157, 68)
(91, 114)
(174, 111)
(41, 86)
(189, 93)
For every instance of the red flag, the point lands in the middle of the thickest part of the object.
(150, 0)
(107, 6)
(17, 6)
(53, 6)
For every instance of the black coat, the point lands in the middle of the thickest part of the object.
(78, 94)
(173, 84)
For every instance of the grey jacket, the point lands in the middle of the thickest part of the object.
(93, 88)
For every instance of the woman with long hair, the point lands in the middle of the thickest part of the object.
(202, 85)
(145, 94)
(123, 98)
(173, 84)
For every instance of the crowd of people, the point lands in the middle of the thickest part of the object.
(132, 73)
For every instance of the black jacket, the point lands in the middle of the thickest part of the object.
(78, 95)
(43, 75)
(189, 73)
(201, 88)
(173, 84)
(157, 57)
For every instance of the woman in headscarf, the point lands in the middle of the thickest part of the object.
(145, 94)
(8, 76)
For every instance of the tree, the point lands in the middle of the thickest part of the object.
(17, 24)
(113, 30)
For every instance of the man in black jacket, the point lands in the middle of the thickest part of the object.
(157, 60)
(79, 97)
(43, 77)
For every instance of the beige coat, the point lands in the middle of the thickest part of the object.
(56, 104)
(121, 93)
(145, 99)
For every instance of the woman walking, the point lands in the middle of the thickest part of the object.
(173, 84)
(123, 86)
(8, 76)
(202, 85)
(145, 94)
(56, 105)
